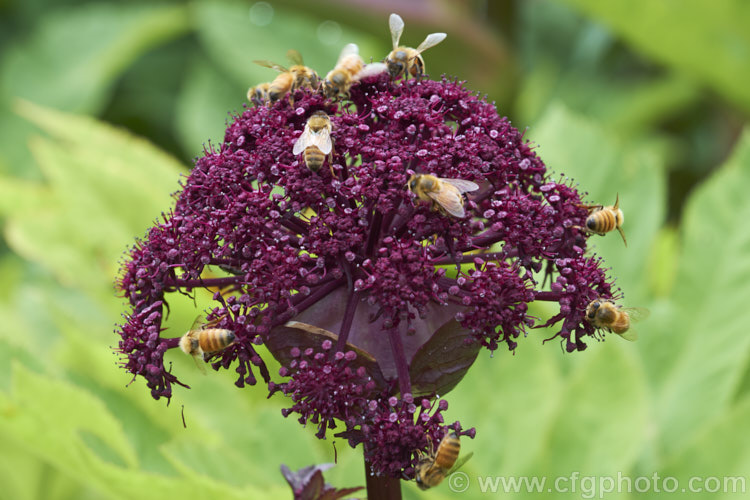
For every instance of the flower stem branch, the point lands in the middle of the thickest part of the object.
(402, 367)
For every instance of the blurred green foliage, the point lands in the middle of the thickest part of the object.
(103, 105)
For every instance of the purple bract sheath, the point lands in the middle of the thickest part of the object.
(373, 303)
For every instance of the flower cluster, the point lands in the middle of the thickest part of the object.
(373, 302)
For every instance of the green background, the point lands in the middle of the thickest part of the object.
(103, 106)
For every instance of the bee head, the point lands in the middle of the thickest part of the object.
(591, 223)
(338, 79)
(329, 89)
(395, 64)
(592, 308)
(274, 96)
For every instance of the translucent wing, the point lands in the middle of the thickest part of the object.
(321, 139)
(303, 141)
(459, 463)
(371, 69)
(396, 24)
(636, 313)
(462, 185)
(431, 40)
(449, 197)
(630, 335)
(349, 49)
(272, 65)
(295, 57)
(198, 323)
(198, 358)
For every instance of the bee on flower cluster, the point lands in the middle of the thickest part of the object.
(602, 220)
(607, 315)
(200, 342)
(287, 82)
(349, 69)
(316, 143)
(438, 464)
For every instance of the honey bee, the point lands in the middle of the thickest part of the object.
(603, 219)
(444, 194)
(259, 94)
(349, 68)
(436, 465)
(613, 318)
(316, 142)
(201, 342)
(289, 80)
(405, 60)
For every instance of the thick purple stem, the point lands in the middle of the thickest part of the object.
(402, 367)
(217, 282)
(311, 299)
(381, 487)
(346, 324)
(466, 258)
(548, 296)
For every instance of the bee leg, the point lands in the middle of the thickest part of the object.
(590, 208)
(330, 164)
(623, 235)
(593, 232)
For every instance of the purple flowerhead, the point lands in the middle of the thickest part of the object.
(374, 303)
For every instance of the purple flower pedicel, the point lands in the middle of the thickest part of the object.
(374, 304)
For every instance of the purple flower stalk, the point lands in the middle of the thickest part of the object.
(374, 304)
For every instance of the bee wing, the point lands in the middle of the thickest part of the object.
(272, 65)
(198, 358)
(459, 463)
(630, 335)
(303, 141)
(449, 197)
(396, 24)
(431, 40)
(371, 69)
(321, 139)
(462, 185)
(349, 49)
(198, 323)
(636, 313)
(295, 57)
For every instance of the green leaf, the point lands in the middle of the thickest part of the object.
(698, 351)
(512, 401)
(72, 59)
(710, 43)
(579, 62)
(605, 407)
(82, 50)
(721, 451)
(662, 264)
(66, 413)
(103, 187)
(206, 98)
(73, 431)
